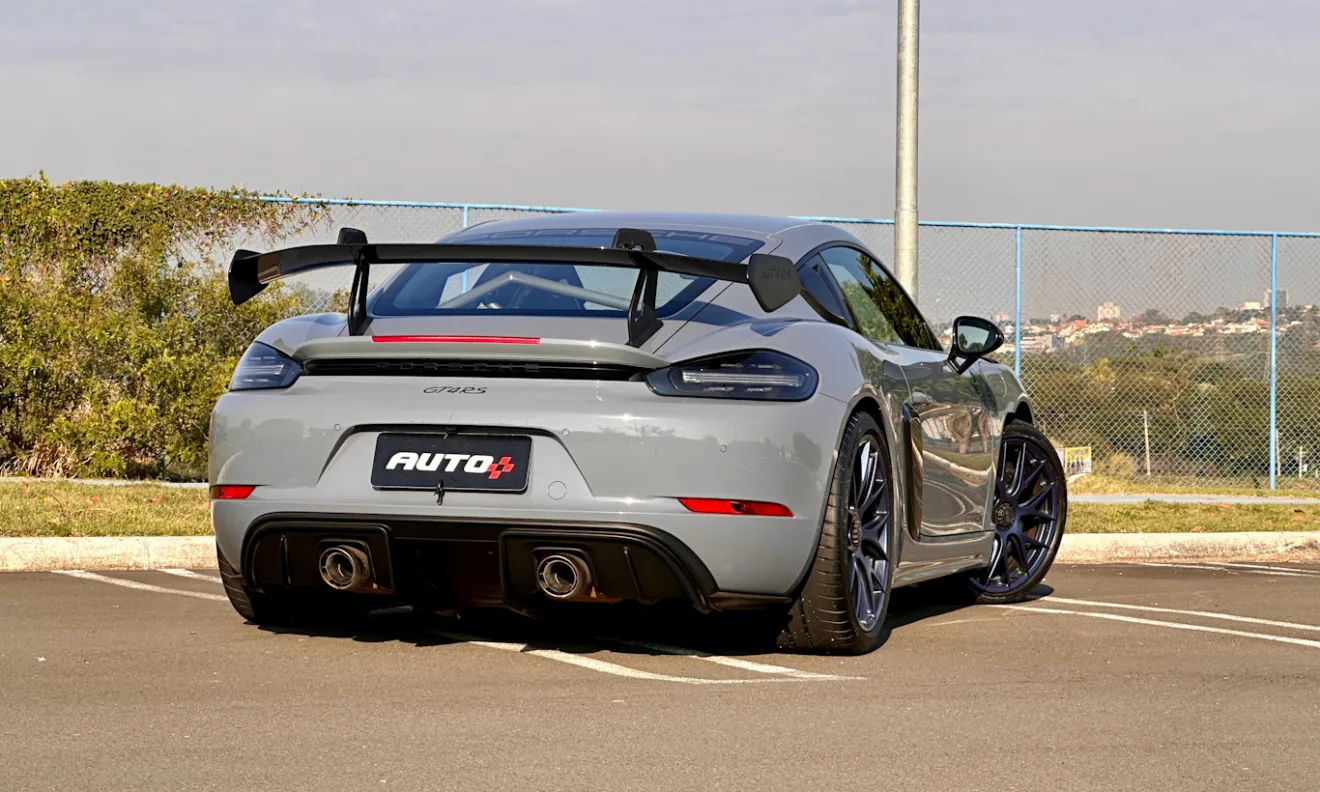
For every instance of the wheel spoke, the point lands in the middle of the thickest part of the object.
(876, 569)
(1031, 477)
(996, 558)
(1031, 506)
(861, 590)
(871, 500)
(871, 530)
(1016, 486)
(865, 476)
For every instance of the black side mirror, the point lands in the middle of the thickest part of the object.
(973, 339)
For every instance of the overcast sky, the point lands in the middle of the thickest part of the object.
(1188, 113)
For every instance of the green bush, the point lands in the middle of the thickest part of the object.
(116, 330)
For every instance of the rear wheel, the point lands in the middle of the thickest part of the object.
(843, 603)
(1031, 508)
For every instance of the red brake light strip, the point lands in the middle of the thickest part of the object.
(453, 339)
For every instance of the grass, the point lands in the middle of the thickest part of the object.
(53, 508)
(1101, 484)
(1155, 517)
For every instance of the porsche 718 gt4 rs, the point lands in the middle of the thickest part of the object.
(730, 412)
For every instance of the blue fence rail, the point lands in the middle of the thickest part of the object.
(1180, 377)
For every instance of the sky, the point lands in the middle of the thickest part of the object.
(1153, 113)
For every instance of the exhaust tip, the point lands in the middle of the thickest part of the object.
(345, 567)
(563, 576)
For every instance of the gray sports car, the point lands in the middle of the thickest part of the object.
(598, 408)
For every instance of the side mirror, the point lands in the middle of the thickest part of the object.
(973, 339)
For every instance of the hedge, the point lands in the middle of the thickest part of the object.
(116, 330)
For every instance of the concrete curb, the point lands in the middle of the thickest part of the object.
(45, 554)
(1243, 546)
(49, 553)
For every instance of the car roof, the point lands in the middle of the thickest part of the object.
(758, 226)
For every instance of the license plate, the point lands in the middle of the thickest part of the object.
(462, 463)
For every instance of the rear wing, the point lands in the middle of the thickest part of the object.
(773, 279)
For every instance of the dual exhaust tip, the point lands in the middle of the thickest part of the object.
(559, 575)
(345, 567)
(563, 576)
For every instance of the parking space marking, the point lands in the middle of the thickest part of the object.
(604, 667)
(188, 573)
(784, 674)
(733, 662)
(1291, 570)
(1217, 568)
(133, 584)
(1204, 614)
(1171, 625)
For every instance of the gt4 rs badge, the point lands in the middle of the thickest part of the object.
(454, 389)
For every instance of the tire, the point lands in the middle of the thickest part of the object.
(254, 606)
(834, 614)
(310, 608)
(1024, 551)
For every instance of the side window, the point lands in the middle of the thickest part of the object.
(819, 286)
(882, 310)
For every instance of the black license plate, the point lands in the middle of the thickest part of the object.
(462, 463)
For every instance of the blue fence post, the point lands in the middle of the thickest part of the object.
(1017, 310)
(1274, 361)
(465, 225)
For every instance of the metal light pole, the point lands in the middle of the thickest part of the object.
(905, 193)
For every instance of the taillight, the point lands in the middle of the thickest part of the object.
(231, 491)
(758, 374)
(719, 506)
(263, 367)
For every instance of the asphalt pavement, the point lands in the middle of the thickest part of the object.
(1168, 677)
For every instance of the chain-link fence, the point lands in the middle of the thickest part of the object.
(1171, 355)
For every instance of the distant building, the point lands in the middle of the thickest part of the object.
(1040, 343)
(1001, 317)
(1108, 312)
(1055, 318)
(1283, 299)
(1251, 306)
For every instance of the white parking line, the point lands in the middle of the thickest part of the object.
(1171, 625)
(188, 573)
(732, 662)
(1291, 570)
(789, 674)
(602, 666)
(1203, 614)
(1217, 568)
(133, 584)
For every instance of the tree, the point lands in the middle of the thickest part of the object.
(1152, 316)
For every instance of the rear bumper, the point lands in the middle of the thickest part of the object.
(448, 563)
(715, 560)
(603, 454)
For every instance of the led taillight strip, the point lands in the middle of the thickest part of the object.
(452, 339)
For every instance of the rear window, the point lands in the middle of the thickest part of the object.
(535, 289)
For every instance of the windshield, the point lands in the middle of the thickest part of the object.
(535, 289)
